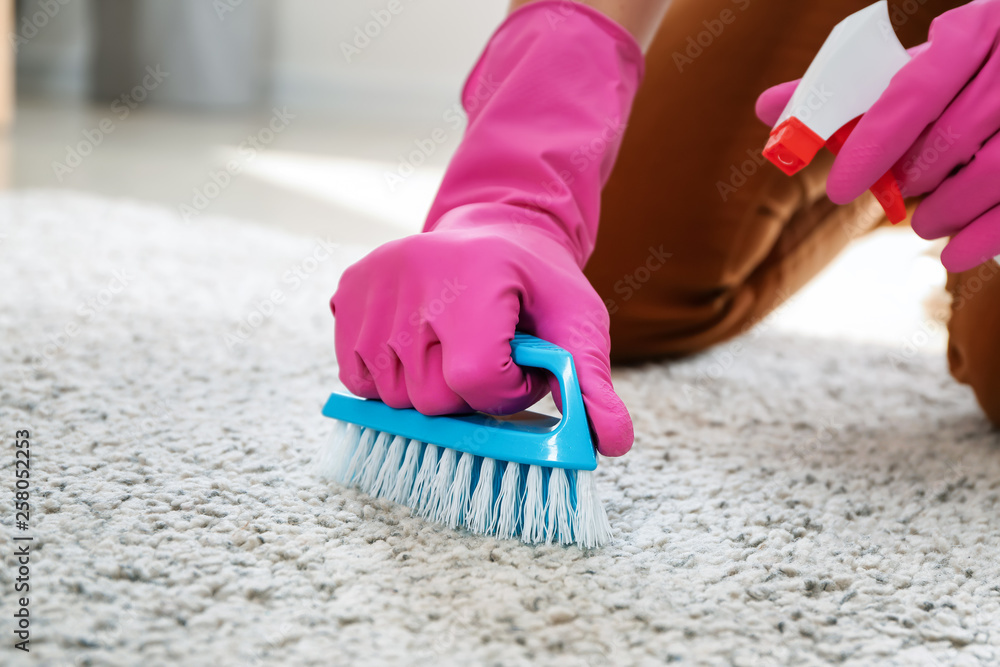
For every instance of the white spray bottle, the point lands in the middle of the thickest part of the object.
(845, 79)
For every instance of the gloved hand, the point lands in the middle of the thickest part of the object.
(426, 321)
(936, 126)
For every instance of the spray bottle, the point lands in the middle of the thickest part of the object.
(847, 76)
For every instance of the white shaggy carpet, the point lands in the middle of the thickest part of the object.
(803, 502)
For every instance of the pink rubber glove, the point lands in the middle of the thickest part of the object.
(936, 127)
(426, 321)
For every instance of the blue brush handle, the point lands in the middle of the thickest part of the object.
(527, 438)
(527, 350)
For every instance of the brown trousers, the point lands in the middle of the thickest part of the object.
(742, 236)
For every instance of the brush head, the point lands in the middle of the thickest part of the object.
(485, 495)
(527, 475)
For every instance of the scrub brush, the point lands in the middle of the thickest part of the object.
(527, 475)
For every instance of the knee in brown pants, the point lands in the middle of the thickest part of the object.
(972, 334)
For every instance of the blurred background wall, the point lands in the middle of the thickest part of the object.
(368, 57)
(156, 100)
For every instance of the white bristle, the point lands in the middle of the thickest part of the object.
(559, 514)
(385, 483)
(360, 454)
(438, 501)
(425, 479)
(533, 528)
(335, 455)
(437, 483)
(592, 527)
(480, 515)
(407, 473)
(507, 509)
(373, 463)
(457, 500)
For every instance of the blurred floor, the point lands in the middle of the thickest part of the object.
(320, 174)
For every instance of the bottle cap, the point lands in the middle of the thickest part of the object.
(792, 146)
